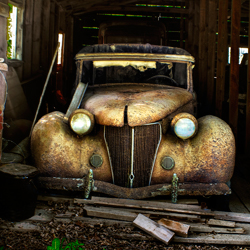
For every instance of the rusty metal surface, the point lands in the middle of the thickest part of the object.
(134, 57)
(145, 103)
(134, 193)
(209, 157)
(59, 152)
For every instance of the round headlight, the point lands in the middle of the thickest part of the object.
(81, 121)
(184, 125)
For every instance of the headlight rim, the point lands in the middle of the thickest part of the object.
(86, 112)
(181, 116)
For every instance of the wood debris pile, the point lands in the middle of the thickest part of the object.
(145, 221)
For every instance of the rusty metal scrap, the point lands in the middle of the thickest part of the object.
(77, 184)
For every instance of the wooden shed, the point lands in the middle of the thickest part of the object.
(215, 32)
(38, 43)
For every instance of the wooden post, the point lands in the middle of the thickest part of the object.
(45, 35)
(27, 41)
(234, 69)
(36, 38)
(203, 53)
(212, 25)
(247, 147)
(222, 49)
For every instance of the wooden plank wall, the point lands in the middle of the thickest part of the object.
(247, 143)
(42, 21)
(201, 43)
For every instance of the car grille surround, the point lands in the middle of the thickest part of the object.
(132, 152)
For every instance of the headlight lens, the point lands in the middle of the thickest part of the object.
(184, 125)
(81, 121)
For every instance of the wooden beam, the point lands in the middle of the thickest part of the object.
(45, 35)
(222, 48)
(36, 37)
(247, 143)
(27, 37)
(212, 28)
(234, 69)
(138, 9)
(203, 54)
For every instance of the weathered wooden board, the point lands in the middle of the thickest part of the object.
(222, 239)
(234, 66)
(247, 143)
(222, 223)
(109, 213)
(27, 39)
(141, 203)
(22, 226)
(180, 229)
(159, 232)
(221, 55)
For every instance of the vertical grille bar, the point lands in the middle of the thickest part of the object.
(145, 145)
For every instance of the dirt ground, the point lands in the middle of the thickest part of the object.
(99, 237)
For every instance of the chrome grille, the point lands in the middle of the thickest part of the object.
(145, 144)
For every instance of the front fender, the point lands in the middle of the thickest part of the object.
(59, 152)
(209, 157)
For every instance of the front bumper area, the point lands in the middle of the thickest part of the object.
(88, 185)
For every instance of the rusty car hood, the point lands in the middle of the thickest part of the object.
(141, 103)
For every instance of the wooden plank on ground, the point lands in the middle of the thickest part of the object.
(221, 223)
(42, 215)
(22, 226)
(235, 204)
(179, 228)
(239, 217)
(158, 214)
(222, 239)
(142, 203)
(204, 228)
(151, 227)
(96, 221)
(109, 213)
(242, 188)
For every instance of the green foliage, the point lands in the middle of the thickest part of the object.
(57, 245)
(2, 248)
(9, 35)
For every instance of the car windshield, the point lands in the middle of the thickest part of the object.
(165, 73)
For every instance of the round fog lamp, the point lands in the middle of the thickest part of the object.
(81, 121)
(184, 125)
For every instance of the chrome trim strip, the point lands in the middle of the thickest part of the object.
(110, 162)
(156, 151)
(131, 176)
(135, 56)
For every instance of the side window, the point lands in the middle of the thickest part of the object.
(60, 55)
(14, 32)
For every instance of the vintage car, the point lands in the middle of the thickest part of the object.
(130, 129)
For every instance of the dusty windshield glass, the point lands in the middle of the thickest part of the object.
(164, 73)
